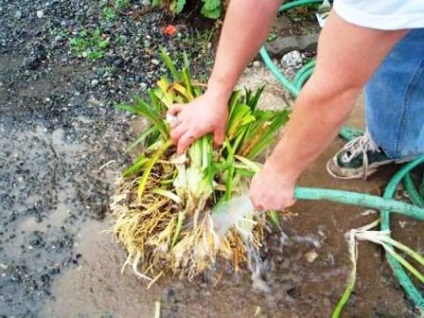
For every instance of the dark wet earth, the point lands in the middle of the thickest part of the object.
(62, 147)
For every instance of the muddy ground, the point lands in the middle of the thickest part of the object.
(62, 146)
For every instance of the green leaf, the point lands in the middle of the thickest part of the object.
(149, 166)
(186, 60)
(104, 44)
(275, 218)
(143, 109)
(136, 166)
(94, 55)
(97, 33)
(252, 100)
(229, 184)
(141, 138)
(212, 9)
(180, 6)
(212, 14)
(211, 5)
(181, 218)
(170, 65)
(239, 117)
(187, 81)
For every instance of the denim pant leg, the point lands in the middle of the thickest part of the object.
(394, 99)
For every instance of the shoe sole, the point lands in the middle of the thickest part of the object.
(349, 173)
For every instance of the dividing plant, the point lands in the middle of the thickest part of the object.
(164, 203)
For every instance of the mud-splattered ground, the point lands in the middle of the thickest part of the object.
(61, 148)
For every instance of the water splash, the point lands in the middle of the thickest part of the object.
(240, 213)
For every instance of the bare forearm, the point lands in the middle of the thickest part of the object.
(347, 57)
(314, 124)
(247, 25)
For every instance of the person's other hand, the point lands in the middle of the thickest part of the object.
(206, 114)
(271, 189)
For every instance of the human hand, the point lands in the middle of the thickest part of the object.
(272, 189)
(206, 114)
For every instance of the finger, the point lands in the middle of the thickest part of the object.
(257, 206)
(173, 121)
(175, 109)
(219, 136)
(177, 132)
(184, 142)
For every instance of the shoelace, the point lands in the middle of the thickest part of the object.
(359, 145)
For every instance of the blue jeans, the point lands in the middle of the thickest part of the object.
(394, 99)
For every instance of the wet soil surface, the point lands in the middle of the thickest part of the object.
(62, 146)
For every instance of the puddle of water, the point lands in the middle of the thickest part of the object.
(97, 287)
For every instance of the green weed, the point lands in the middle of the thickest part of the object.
(121, 4)
(109, 14)
(89, 45)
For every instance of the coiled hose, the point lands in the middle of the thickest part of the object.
(386, 205)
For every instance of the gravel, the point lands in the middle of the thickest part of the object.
(61, 138)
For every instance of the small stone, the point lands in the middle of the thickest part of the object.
(94, 83)
(403, 224)
(40, 14)
(311, 256)
(155, 61)
(143, 86)
(292, 59)
(119, 63)
(257, 64)
(58, 39)
(18, 14)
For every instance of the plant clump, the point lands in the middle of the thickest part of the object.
(164, 203)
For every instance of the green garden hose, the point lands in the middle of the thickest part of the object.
(360, 199)
(387, 204)
(413, 293)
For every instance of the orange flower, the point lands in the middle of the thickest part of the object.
(170, 30)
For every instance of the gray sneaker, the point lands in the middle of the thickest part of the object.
(359, 158)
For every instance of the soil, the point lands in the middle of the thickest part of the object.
(62, 146)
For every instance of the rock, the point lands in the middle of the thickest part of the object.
(143, 86)
(155, 61)
(282, 46)
(257, 64)
(58, 39)
(311, 256)
(94, 83)
(40, 14)
(18, 14)
(119, 63)
(292, 60)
